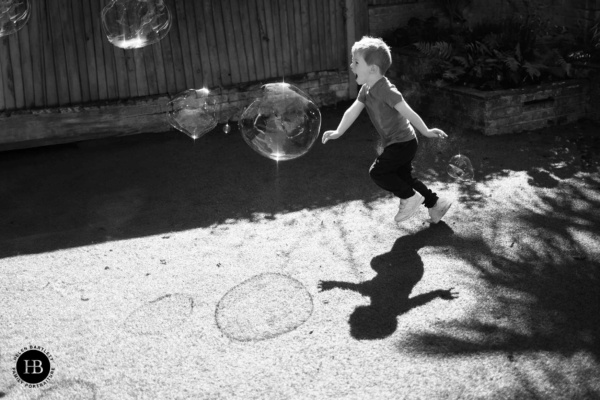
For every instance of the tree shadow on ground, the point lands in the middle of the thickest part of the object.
(398, 271)
(540, 293)
(548, 156)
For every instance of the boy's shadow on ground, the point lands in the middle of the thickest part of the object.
(398, 271)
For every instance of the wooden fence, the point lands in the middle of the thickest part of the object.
(62, 58)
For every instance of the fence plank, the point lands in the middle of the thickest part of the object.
(288, 34)
(208, 75)
(237, 37)
(2, 89)
(147, 57)
(196, 64)
(261, 26)
(71, 59)
(179, 29)
(213, 14)
(255, 38)
(278, 38)
(159, 66)
(274, 57)
(230, 43)
(7, 96)
(37, 57)
(245, 34)
(299, 36)
(116, 70)
(178, 70)
(340, 45)
(17, 71)
(141, 75)
(36, 32)
(313, 27)
(96, 39)
(26, 66)
(79, 34)
(211, 43)
(90, 56)
(322, 38)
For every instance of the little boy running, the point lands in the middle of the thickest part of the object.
(394, 120)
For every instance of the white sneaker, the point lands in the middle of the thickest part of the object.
(439, 210)
(408, 207)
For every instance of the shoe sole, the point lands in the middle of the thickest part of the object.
(444, 211)
(407, 217)
(412, 214)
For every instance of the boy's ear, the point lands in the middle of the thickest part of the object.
(373, 68)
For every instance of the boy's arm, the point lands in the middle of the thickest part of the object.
(347, 120)
(416, 121)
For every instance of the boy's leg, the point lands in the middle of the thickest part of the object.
(404, 172)
(384, 171)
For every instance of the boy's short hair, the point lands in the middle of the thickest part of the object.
(374, 51)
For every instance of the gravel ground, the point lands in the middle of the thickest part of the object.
(154, 267)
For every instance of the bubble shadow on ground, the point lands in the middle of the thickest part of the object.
(263, 307)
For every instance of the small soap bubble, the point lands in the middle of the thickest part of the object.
(227, 128)
(14, 15)
(193, 112)
(132, 24)
(460, 168)
(282, 123)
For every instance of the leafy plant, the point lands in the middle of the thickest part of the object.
(497, 55)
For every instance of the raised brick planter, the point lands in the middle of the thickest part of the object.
(508, 111)
(491, 112)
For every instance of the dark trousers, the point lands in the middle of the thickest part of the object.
(392, 171)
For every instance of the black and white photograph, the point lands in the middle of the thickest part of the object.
(300, 199)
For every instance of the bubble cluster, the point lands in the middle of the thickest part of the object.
(282, 123)
(132, 24)
(193, 112)
(14, 15)
(460, 168)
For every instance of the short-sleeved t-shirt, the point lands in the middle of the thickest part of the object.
(380, 101)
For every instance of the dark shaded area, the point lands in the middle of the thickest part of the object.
(76, 194)
(398, 271)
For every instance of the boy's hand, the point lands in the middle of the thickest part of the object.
(436, 133)
(330, 135)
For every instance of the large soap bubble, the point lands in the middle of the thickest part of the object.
(132, 24)
(193, 112)
(282, 123)
(14, 14)
(460, 168)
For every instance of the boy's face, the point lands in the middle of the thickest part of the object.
(360, 68)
